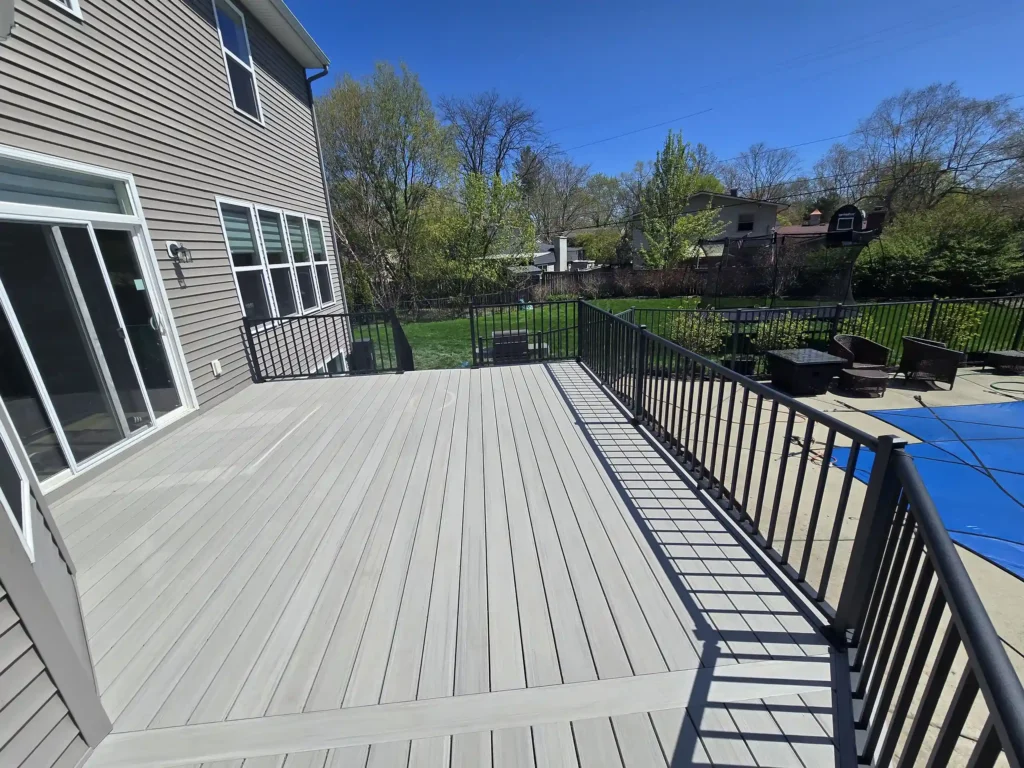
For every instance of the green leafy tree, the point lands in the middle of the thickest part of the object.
(385, 154)
(786, 331)
(671, 225)
(601, 245)
(483, 217)
(962, 247)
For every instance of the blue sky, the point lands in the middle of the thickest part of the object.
(782, 73)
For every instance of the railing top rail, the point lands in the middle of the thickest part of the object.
(756, 387)
(522, 305)
(996, 676)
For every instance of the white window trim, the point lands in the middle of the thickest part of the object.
(24, 530)
(305, 264)
(845, 218)
(289, 264)
(248, 65)
(326, 261)
(71, 6)
(258, 241)
(265, 266)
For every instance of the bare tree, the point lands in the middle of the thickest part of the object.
(561, 202)
(490, 131)
(838, 174)
(923, 145)
(761, 172)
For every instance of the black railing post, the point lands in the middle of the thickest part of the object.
(640, 373)
(257, 372)
(931, 318)
(579, 330)
(403, 352)
(834, 328)
(876, 517)
(1019, 335)
(472, 330)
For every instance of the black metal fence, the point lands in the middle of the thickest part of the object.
(869, 556)
(315, 346)
(503, 334)
(739, 338)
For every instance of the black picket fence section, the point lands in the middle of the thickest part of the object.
(739, 338)
(317, 346)
(773, 464)
(504, 334)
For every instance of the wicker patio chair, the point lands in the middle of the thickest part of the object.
(929, 360)
(859, 352)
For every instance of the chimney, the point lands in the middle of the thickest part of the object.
(734, 192)
(561, 254)
(814, 219)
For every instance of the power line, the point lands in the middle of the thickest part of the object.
(640, 130)
(837, 188)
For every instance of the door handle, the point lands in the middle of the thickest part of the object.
(153, 324)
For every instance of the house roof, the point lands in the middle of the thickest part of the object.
(288, 30)
(802, 229)
(726, 196)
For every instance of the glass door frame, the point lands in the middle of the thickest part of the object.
(93, 346)
(135, 224)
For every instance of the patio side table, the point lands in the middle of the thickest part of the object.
(803, 371)
(1006, 360)
(871, 381)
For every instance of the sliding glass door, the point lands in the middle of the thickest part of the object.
(72, 379)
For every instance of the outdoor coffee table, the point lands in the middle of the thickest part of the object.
(803, 371)
(1006, 360)
(868, 380)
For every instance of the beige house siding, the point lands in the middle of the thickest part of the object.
(141, 87)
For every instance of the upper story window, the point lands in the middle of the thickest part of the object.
(745, 222)
(71, 6)
(845, 222)
(234, 41)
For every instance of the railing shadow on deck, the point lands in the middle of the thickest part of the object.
(887, 591)
(698, 562)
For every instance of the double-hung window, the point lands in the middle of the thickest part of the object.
(282, 276)
(234, 41)
(303, 263)
(320, 262)
(278, 259)
(246, 261)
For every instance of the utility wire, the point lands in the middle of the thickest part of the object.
(837, 188)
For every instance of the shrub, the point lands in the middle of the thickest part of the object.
(784, 331)
(700, 332)
(957, 324)
(862, 324)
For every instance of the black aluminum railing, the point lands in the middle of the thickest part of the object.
(523, 332)
(318, 346)
(869, 556)
(739, 338)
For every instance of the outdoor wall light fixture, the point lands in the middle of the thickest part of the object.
(179, 253)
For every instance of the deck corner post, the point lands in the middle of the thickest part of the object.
(472, 330)
(876, 517)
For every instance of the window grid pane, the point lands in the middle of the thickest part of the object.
(232, 31)
(306, 289)
(316, 239)
(273, 238)
(240, 237)
(297, 240)
(243, 88)
(284, 290)
(323, 279)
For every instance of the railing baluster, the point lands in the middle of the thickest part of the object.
(774, 413)
(819, 493)
(781, 481)
(795, 508)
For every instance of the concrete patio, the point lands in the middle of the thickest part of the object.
(466, 568)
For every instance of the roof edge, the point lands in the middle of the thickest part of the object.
(296, 40)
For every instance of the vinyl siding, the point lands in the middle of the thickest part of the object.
(35, 727)
(141, 87)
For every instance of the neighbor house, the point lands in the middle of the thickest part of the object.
(160, 180)
(556, 256)
(741, 217)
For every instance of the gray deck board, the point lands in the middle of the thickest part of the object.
(498, 545)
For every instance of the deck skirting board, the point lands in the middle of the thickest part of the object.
(472, 713)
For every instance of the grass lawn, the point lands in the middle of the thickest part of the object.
(445, 343)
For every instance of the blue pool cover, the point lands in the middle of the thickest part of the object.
(972, 461)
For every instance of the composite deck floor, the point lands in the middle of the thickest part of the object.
(442, 568)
